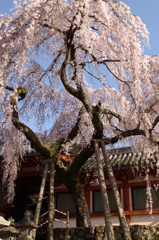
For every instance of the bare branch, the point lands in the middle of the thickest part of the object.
(122, 82)
(93, 75)
(7, 87)
(128, 133)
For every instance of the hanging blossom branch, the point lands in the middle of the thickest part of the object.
(30, 135)
(115, 127)
(98, 78)
(127, 83)
(50, 68)
(94, 58)
(51, 27)
(149, 200)
(105, 61)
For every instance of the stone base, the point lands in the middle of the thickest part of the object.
(138, 232)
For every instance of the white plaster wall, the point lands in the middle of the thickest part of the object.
(122, 196)
(130, 199)
(142, 179)
(91, 202)
(153, 178)
(137, 179)
(96, 221)
(107, 182)
(150, 220)
(61, 186)
(99, 221)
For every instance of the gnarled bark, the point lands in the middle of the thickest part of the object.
(82, 212)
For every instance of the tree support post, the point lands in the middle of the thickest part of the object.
(51, 202)
(40, 198)
(103, 189)
(121, 215)
(67, 223)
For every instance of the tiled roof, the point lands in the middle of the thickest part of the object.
(121, 158)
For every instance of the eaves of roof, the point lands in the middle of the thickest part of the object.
(121, 158)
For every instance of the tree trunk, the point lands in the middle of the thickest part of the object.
(120, 210)
(78, 195)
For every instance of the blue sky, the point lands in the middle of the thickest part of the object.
(148, 11)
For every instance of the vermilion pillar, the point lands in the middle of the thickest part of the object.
(126, 197)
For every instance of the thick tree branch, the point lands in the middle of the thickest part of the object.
(97, 122)
(7, 88)
(60, 168)
(89, 150)
(79, 161)
(128, 133)
(115, 127)
(78, 93)
(76, 128)
(153, 126)
(63, 75)
(112, 113)
(155, 122)
(31, 136)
